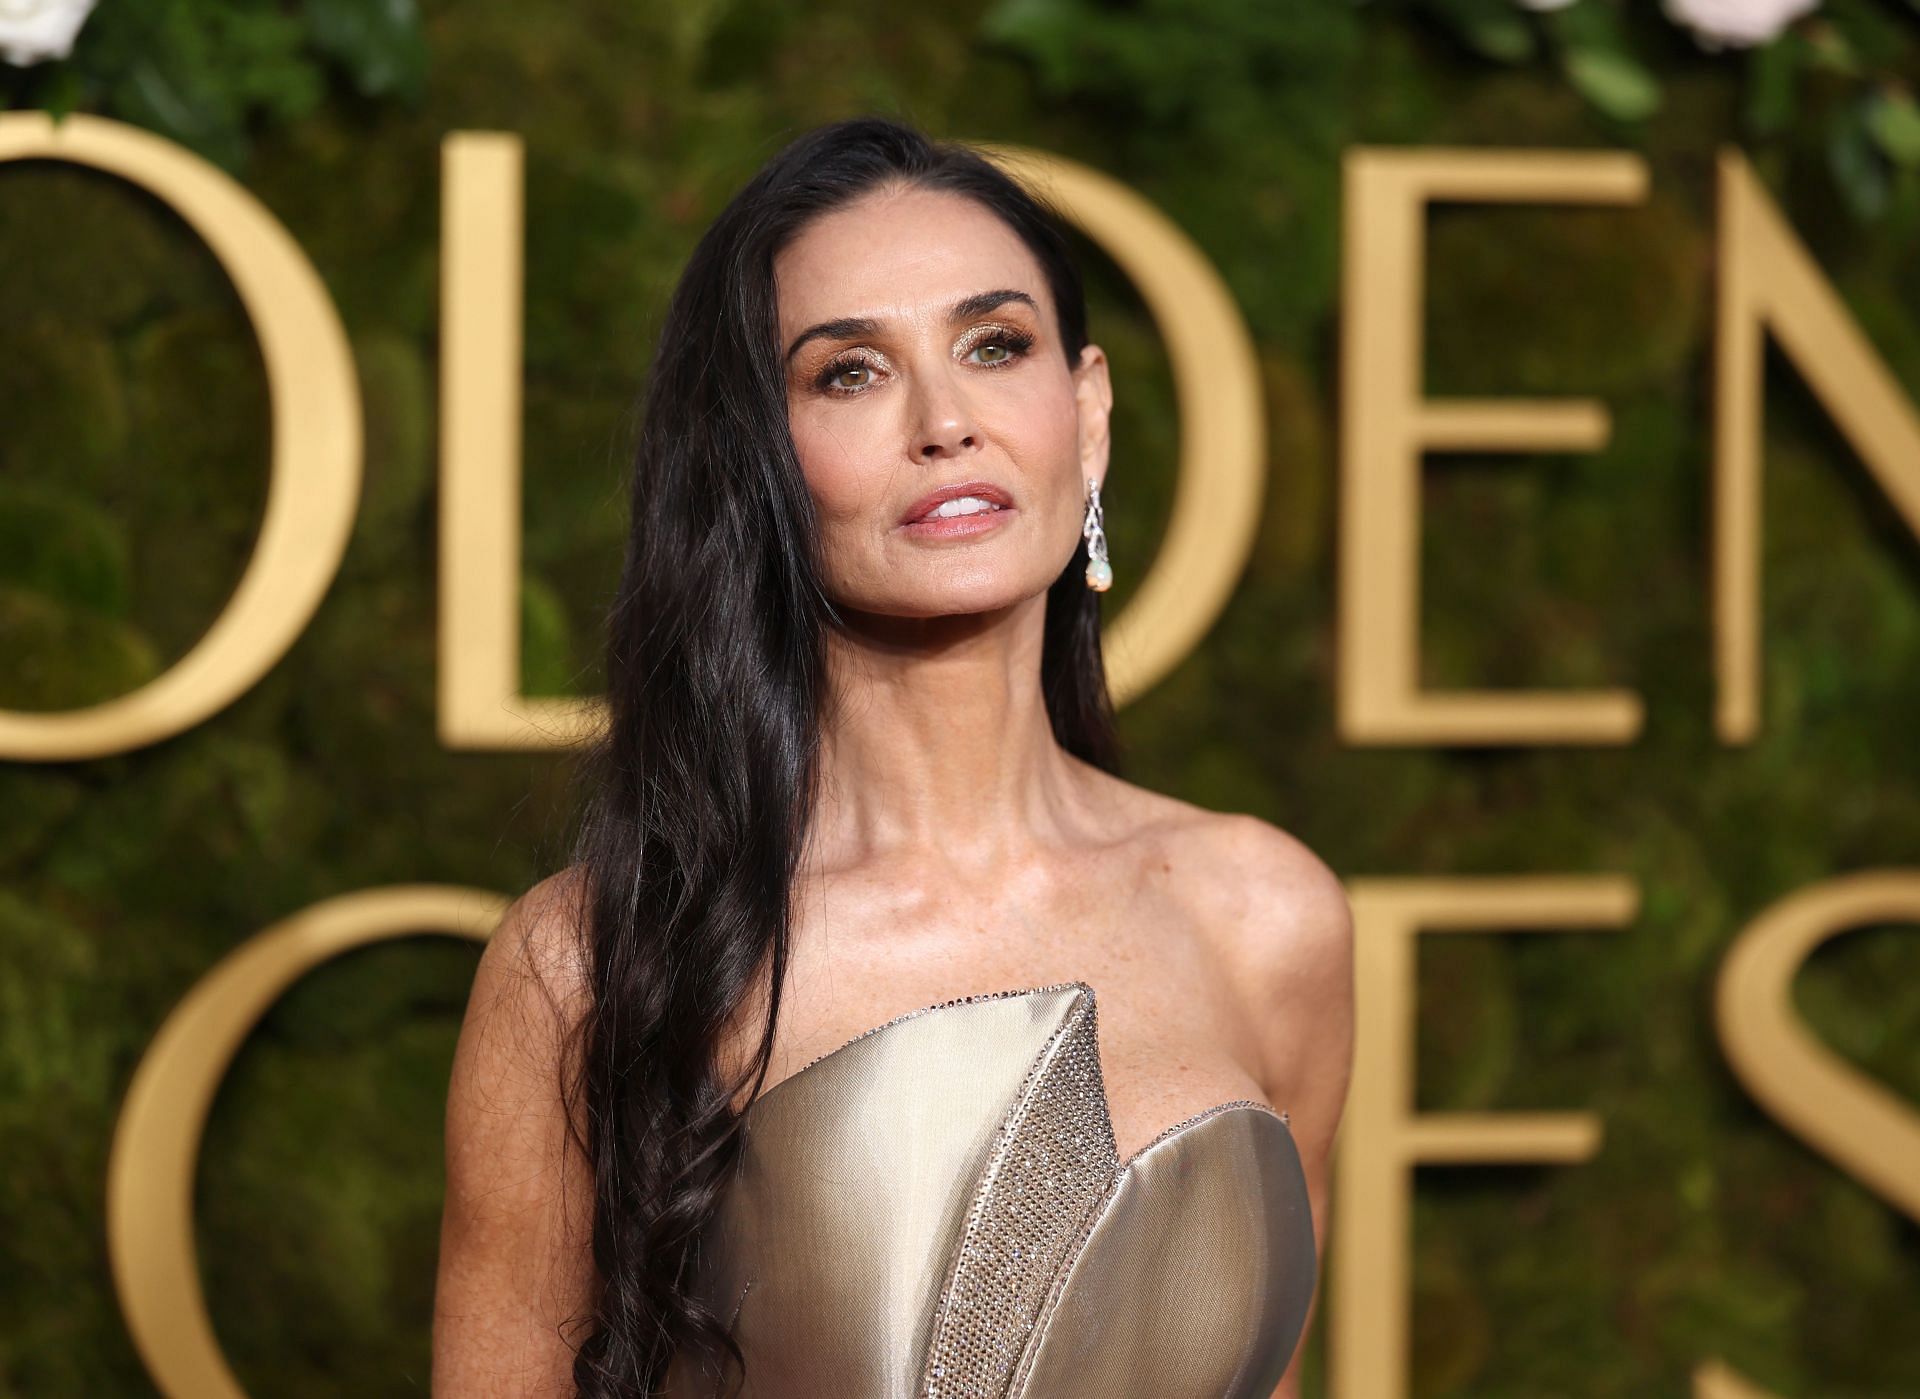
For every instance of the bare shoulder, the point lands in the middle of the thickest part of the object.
(1259, 888)
(515, 1263)
(1280, 902)
(530, 992)
(537, 950)
(1282, 929)
(1292, 941)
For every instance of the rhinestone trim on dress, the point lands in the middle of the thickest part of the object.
(1051, 1159)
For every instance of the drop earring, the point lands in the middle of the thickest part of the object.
(1099, 571)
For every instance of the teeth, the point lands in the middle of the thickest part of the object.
(960, 505)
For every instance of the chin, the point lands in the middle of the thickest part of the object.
(948, 599)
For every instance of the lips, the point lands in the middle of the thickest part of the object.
(933, 500)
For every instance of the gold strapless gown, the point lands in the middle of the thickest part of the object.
(937, 1209)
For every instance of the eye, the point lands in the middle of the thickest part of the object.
(829, 377)
(1012, 344)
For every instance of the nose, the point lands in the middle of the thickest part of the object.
(945, 425)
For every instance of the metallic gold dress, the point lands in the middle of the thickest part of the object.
(937, 1209)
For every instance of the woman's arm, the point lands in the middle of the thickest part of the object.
(1296, 961)
(515, 1232)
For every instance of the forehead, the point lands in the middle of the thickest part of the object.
(907, 253)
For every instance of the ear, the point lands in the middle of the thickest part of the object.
(1093, 402)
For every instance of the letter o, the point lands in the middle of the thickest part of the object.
(156, 1143)
(314, 489)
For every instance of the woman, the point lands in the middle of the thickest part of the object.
(795, 1072)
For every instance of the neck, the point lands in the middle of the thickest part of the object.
(937, 739)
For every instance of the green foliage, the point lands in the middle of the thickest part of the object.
(203, 71)
(1842, 66)
(1495, 29)
(1892, 118)
(1590, 41)
(133, 440)
(377, 42)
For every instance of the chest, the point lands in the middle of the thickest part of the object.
(1174, 1032)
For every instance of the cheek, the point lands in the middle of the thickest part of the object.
(1060, 415)
(837, 459)
(1039, 429)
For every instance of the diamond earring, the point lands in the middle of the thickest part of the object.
(1099, 571)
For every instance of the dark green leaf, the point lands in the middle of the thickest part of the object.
(1893, 121)
(1494, 29)
(1858, 168)
(378, 42)
(1615, 82)
(1830, 50)
(1771, 85)
(1587, 24)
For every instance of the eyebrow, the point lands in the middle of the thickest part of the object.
(967, 307)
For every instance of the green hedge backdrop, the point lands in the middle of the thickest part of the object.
(133, 438)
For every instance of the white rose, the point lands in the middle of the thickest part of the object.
(1741, 23)
(32, 30)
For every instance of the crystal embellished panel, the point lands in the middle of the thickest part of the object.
(1052, 1160)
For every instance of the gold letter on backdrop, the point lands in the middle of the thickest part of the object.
(1824, 1100)
(1768, 281)
(482, 217)
(314, 486)
(1386, 424)
(1383, 1137)
(156, 1146)
(1210, 532)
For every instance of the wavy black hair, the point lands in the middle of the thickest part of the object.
(698, 792)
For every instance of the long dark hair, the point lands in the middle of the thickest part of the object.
(699, 790)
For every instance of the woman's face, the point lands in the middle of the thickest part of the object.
(921, 352)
